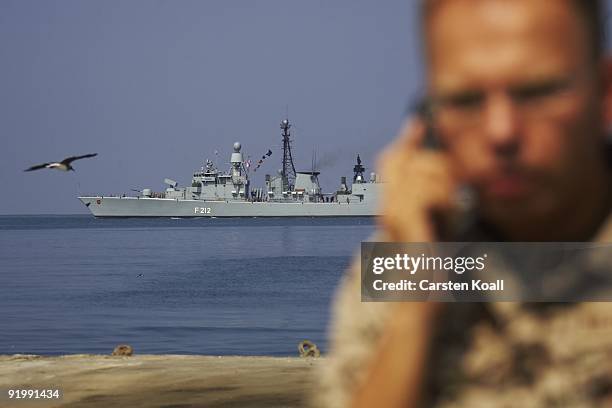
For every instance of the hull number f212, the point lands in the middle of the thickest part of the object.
(202, 210)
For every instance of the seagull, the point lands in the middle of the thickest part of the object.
(64, 165)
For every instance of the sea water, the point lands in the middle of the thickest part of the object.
(76, 284)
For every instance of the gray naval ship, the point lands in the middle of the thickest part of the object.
(215, 193)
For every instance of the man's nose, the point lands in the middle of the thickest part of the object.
(501, 123)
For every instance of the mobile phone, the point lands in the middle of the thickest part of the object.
(457, 227)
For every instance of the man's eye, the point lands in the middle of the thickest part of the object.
(538, 91)
(466, 100)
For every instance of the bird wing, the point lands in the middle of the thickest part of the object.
(38, 167)
(69, 160)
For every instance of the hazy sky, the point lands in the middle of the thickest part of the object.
(155, 87)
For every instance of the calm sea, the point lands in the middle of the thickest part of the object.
(76, 284)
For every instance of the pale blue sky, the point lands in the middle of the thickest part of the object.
(156, 86)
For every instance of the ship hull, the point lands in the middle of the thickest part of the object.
(161, 207)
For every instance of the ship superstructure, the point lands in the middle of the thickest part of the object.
(216, 193)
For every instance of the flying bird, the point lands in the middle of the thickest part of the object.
(64, 165)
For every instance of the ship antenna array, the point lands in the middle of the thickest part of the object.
(288, 169)
(358, 170)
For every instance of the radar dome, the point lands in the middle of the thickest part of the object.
(237, 147)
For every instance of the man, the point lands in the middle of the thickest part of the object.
(521, 97)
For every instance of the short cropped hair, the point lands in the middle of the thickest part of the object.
(592, 12)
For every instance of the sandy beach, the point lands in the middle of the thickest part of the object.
(160, 381)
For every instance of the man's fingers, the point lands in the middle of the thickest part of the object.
(412, 134)
(411, 138)
(407, 167)
(418, 186)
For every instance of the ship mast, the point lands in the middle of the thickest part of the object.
(288, 170)
(358, 171)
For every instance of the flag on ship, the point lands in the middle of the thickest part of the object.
(263, 158)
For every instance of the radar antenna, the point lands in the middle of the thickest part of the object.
(288, 170)
(358, 171)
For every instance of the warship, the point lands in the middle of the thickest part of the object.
(216, 193)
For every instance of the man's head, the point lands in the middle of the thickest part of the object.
(521, 98)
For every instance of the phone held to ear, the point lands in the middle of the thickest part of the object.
(456, 226)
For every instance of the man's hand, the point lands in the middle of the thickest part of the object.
(418, 191)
